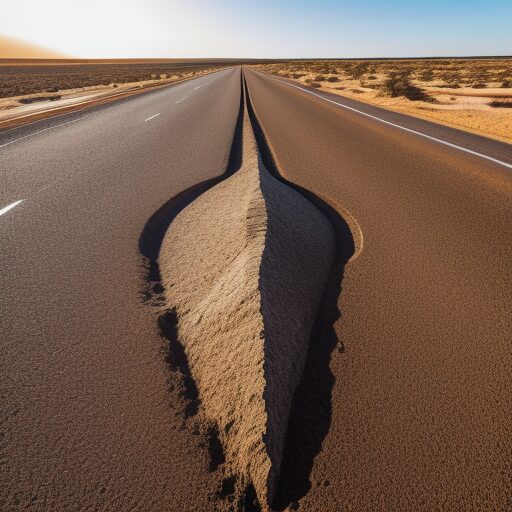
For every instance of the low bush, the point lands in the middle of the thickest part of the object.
(427, 75)
(358, 70)
(500, 104)
(399, 84)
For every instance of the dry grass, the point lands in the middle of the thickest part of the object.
(456, 92)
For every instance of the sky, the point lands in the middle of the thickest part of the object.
(265, 28)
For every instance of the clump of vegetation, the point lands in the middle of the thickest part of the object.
(506, 84)
(358, 70)
(371, 77)
(427, 75)
(479, 85)
(332, 79)
(26, 101)
(399, 84)
(500, 104)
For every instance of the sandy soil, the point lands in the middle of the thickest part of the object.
(244, 269)
(462, 107)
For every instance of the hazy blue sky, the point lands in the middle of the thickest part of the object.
(278, 28)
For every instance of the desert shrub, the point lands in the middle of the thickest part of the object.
(319, 78)
(399, 84)
(332, 79)
(427, 75)
(479, 85)
(316, 85)
(358, 70)
(372, 77)
(506, 84)
(26, 101)
(500, 104)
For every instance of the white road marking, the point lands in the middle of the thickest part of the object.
(182, 99)
(198, 87)
(10, 207)
(41, 131)
(152, 117)
(505, 164)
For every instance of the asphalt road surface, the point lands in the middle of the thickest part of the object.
(87, 420)
(421, 403)
(412, 414)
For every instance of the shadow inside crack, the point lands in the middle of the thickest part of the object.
(311, 410)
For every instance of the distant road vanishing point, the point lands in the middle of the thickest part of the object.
(405, 398)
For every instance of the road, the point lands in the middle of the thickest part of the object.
(87, 419)
(412, 414)
(420, 406)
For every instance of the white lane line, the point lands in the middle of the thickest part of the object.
(475, 153)
(182, 99)
(198, 87)
(44, 130)
(10, 207)
(152, 117)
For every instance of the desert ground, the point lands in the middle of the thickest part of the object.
(469, 94)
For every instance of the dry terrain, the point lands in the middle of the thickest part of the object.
(472, 94)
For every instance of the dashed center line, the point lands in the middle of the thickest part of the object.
(198, 87)
(10, 207)
(182, 99)
(152, 117)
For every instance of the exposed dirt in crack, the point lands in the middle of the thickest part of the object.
(252, 469)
